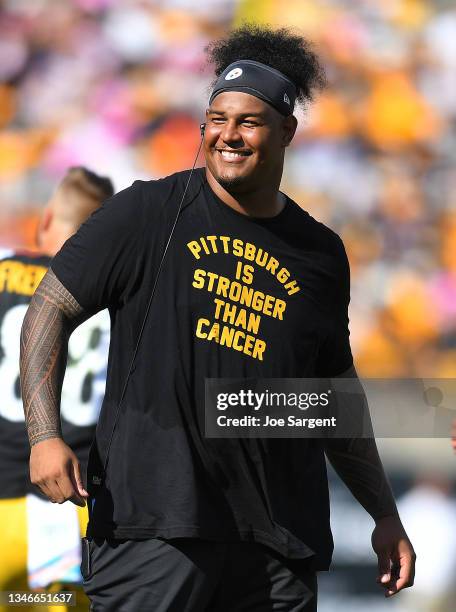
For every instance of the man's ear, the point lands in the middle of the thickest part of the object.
(43, 225)
(289, 126)
(46, 219)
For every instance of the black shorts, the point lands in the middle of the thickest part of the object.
(191, 575)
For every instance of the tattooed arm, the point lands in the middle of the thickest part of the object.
(357, 462)
(51, 317)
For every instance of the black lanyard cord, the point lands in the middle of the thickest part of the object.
(98, 479)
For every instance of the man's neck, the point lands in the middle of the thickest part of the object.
(51, 241)
(265, 202)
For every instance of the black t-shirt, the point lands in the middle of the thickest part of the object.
(164, 478)
(20, 274)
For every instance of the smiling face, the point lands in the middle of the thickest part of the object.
(244, 141)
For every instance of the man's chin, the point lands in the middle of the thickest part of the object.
(232, 183)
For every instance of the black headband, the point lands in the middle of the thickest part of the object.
(260, 81)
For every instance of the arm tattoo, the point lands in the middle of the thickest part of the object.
(357, 462)
(52, 315)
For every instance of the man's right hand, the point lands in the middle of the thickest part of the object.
(54, 469)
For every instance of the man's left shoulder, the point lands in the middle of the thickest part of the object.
(318, 234)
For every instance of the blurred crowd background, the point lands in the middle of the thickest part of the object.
(121, 86)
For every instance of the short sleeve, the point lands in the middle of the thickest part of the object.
(335, 355)
(96, 263)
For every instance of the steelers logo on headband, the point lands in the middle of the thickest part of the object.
(233, 74)
(258, 80)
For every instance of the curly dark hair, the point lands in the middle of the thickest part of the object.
(281, 49)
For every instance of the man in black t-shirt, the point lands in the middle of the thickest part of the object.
(250, 286)
(25, 518)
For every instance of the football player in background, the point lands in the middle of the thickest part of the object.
(39, 542)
